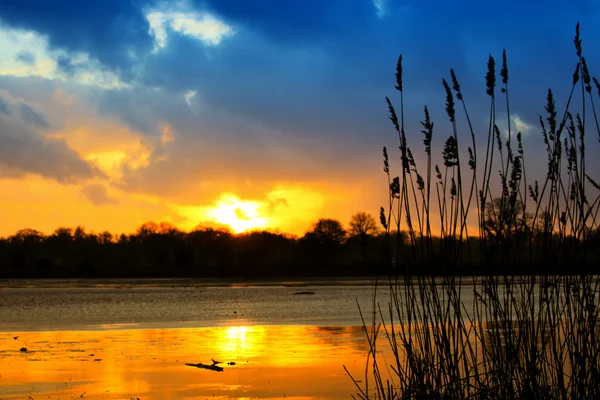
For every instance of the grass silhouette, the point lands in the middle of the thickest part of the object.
(499, 336)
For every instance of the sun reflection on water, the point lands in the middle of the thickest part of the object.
(269, 362)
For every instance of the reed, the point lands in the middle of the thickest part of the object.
(531, 336)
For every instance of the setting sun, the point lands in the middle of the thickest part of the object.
(239, 215)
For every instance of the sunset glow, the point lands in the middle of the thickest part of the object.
(239, 215)
(219, 114)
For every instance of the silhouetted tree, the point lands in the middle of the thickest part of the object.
(162, 250)
(328, 230)
(504, 217)
(362, 225)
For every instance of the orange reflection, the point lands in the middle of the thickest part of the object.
(270, 362)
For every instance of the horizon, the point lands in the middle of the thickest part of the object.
(119, 113)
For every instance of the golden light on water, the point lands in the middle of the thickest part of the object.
(269, 362)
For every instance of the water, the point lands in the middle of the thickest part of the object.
(133, 306)
(132, 340)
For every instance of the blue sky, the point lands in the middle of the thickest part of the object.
(164, 106)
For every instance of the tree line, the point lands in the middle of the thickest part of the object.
(163, 250)
(361, 248)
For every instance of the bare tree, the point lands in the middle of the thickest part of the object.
(504, 218)
(362, 225)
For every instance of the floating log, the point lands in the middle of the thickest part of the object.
(304, 293)
(206, 366)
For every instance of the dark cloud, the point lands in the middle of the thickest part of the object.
(98, 195)
(106, 29)
(298, 22)
(4, 107)
(65, 64)
(33, 117)
(26, 57)
(23, 150)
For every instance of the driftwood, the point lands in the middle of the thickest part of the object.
(206, 366)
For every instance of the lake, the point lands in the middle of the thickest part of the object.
(132, 339)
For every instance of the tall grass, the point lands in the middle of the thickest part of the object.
(499, 336)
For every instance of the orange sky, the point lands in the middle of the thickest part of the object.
(105, 201)
(43, 204)
(95, 170)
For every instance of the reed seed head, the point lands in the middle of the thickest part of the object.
(427, 131)
(472, 162)
(577, 40)
(586, 75)
(516, 174)
(409, 156)
(456, 85)
(382, 218)
(420, 182)
(450, 152)
(581, 130)
(490, 77)
(532, 194)
(504, 70)
(399, 73)
(551, 110)
(449, 102)
(576, 74)
(386, 164)
(395, 187)
(393, 116)
(498, 138)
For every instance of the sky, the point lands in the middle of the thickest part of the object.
(264, 114)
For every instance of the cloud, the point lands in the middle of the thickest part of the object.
(26, 57)
(4, 107)
(201, 26)
(28, 53)
(380, 6)
(25, 150)
(107, 29)
(188, 96)
(239, 97)
(520, 125)
(98, 195)
(517, 124)
(35, 118)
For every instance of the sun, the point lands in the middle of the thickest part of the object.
(239, 215)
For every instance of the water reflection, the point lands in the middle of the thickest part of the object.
(270, 362)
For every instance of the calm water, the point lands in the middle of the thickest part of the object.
(98, 307)
(124, 341)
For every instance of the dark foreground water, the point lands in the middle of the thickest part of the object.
(132, 340)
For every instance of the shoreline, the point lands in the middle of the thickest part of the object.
(165, 283)
(117, 283)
